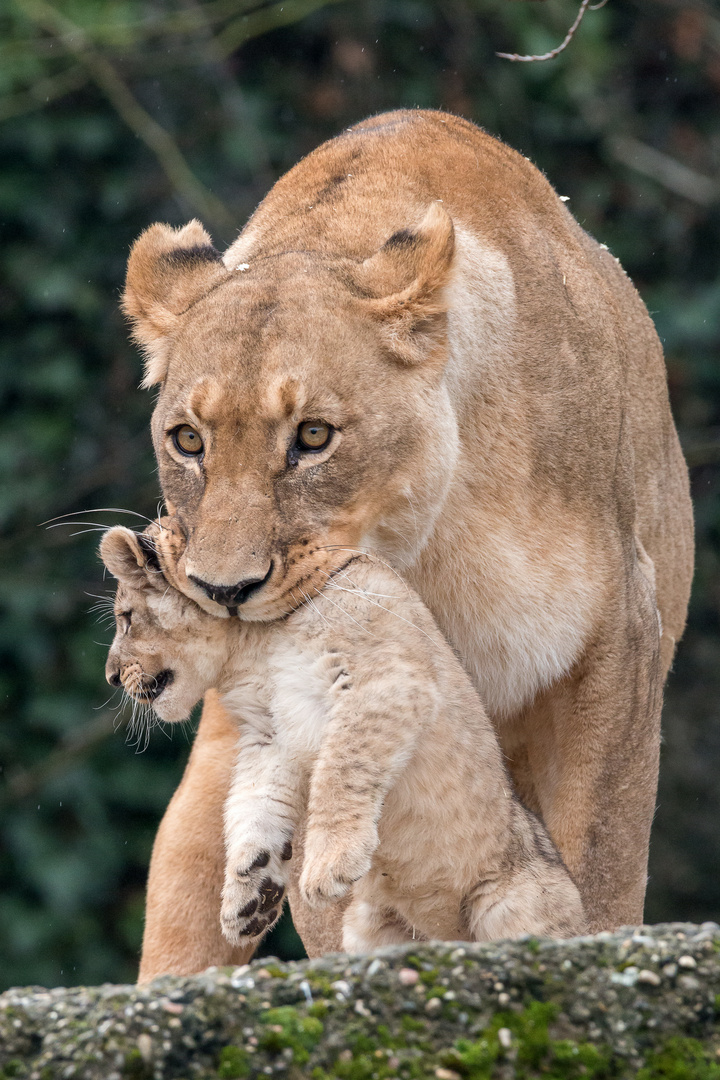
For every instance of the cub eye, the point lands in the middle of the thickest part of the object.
(187, 441)
(124, 619)
(314, 435)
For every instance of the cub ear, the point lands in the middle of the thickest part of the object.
(167, 270)
(408, 275)
(131, 557)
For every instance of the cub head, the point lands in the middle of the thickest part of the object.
(166, 651)
(302, 411)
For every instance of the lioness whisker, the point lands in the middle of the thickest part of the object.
(404, 539)
(313, 605)
(344, 612)
(366, 596)
(102, 510)
(369, 555)
(365, 592)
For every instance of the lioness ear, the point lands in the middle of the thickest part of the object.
(409, 273)
(130, 557)
(168, 269)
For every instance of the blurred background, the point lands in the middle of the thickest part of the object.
(113, 116)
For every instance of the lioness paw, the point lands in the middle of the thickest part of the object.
(253, 893)
(331, 868)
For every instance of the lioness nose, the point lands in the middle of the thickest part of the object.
(231, 595)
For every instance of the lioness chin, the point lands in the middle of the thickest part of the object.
(413, 349)
(357, 718)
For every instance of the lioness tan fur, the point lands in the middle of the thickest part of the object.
(500, 434)
(357, 711)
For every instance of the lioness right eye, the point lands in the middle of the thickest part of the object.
(187, 440)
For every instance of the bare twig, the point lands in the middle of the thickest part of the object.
(568, 37)
(162, 145)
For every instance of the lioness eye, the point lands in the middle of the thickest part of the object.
(187, 441)
(313, 435)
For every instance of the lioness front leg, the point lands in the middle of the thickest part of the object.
(593, 745)
(261, 814)
(374, 723)
(182, 918)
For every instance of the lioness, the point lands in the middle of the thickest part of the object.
(413, 349)
(355, 708)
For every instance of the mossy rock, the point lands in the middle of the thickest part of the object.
(640, 1003)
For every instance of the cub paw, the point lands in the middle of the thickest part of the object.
(331, 868)
(253, 893)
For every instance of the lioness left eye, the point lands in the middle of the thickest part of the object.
(314, 435)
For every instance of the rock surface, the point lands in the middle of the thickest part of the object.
(642, 1003)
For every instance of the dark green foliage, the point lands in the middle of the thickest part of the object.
(79, 807)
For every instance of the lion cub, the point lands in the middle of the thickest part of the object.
(355, 716)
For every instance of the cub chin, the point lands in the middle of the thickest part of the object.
(356, 722)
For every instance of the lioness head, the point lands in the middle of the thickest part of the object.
(166, 651)
(302, 411)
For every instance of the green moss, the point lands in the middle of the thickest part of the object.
(533, 945)
(362, 1044)
(288, 1029)
(135, 1067)
(11, 1068)
(429, 977)
(411, 1023)
(365, 1067)
(233, 1063)
(436, 992)
(318, 1009)
(536, 1053)
(275, 971)
(473, 1060)
(680, 1059)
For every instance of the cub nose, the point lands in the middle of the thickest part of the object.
(231, 596)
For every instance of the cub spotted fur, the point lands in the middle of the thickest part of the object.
(354, 713)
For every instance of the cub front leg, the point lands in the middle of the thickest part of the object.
(374, 722)
(253, 893)
(261, 814)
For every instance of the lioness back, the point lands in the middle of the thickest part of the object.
(530, 284)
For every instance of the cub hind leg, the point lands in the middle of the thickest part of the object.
(531, 893)
(369, 922)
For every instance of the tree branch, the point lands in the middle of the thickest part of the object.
(54, 86)
(672, 174)
(154, 136)
(265, 19)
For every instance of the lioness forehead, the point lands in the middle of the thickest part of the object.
(279, 395)
(239, 354)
